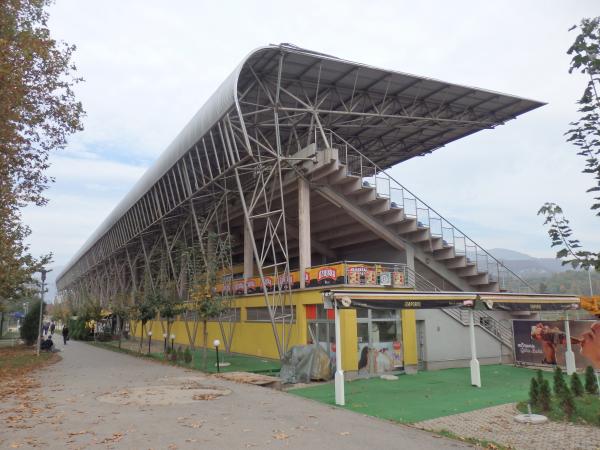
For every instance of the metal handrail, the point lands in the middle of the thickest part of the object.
(413, 206)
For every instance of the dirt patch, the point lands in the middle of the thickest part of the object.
(173, 391)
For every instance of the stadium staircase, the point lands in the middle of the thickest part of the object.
(347, 176)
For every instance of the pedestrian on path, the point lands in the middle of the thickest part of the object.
(65, 333)
(52, 328)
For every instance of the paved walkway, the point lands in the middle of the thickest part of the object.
(148, 405)
(497, 424)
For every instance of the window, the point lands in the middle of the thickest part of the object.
(229, 315)
(261, 314)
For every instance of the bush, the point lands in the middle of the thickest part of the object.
(559, 381)
(31, 324)
(78, 330)
(173, 356)
(545, 395)
(187, 356)
(567, 401)
(534, 392)
(591, 385)
(179, 354)
(576, 385)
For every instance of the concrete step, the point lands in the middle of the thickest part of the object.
(469, 270)
(445, 253)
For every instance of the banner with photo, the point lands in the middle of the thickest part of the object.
(544, 342)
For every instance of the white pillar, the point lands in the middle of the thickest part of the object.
(248, 255)
(340, 398)
(475, 372)
(569, 355)
(303, 228)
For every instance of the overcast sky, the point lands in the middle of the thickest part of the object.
(150, 65)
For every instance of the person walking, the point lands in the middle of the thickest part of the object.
(65, 333)
(52, 328)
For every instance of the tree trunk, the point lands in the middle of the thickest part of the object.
(141, 336)
(120, 327)
(205, 344)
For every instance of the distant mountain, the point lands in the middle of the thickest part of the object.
(525, 265)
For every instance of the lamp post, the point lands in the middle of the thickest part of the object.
(216, 343)
(165, 336)
(172, 342)
(39, 340)
(149, 340)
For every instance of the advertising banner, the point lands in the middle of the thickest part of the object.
(544, 342)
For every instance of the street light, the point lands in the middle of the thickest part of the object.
(39, 340)
(172, 342)
(149, 340)
(165, 336)
(216, 343)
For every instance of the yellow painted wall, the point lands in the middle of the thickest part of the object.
(409, 337)
(256, 338)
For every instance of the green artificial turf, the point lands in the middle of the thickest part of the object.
(237, 363)
(428, 395)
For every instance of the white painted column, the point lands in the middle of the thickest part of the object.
(475, 372)
(569, 355)
(248, 254)
(340, 397)
(303, 228)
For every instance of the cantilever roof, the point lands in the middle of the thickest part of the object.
(426, 114)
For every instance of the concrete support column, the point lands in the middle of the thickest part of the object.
(304, 228)
(475, 371)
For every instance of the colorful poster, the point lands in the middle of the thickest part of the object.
(545, 342)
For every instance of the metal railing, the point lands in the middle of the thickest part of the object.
(493, 326)
(412, 206)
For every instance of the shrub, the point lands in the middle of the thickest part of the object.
(591, 385)
(540, 377)
(78, 330)
(534, 392)
(559, 381)
(545, 395)
(173, 356)
(187, 356)
(576, 385)
(31, 324)
(179, 354)
(567, 401)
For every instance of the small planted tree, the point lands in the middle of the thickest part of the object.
(591, 385)
(534, 392)
(559, 381)
(31, 323)
(576, 385)
(545, 395)
(145, 310)
(187, 356)
(567, 401)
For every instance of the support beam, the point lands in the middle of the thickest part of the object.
(340, 398)
(304, 228)
(248, 254)
(569, 355)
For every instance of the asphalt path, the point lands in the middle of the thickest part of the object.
(97, 398)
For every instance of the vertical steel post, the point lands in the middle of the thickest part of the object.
(569, 355)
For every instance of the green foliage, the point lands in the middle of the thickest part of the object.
(584, 134)
(559, 381)
(567, 401)
(545, 397)
(31, 323)
(576, 385)
(78, 330)
(179, 354)
(187, 355)
(534, 392)
(591, 385)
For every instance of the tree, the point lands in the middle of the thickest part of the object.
(584, 134)
(38, 111)
(534, 392)
(545, 395)
(31, 324)
(559, 381)
(591, 384)
(576, 385)
(567, 401)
